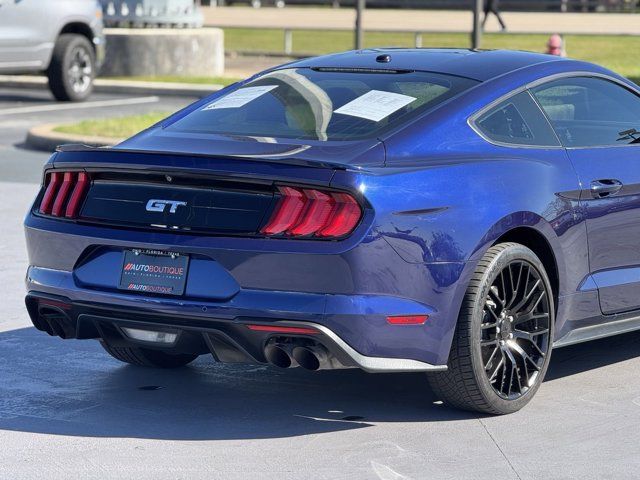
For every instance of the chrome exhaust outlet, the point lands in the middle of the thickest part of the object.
(298, 353)
(55, 322)
(279, 355)
(315, 357)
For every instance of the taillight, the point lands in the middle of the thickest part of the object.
(304, 212)
(64, 194)
(344, 217)
(53, 184)
(77, 196)
(316, 214)
(287, 211)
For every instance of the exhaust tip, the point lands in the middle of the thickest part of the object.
(306, 358)
(55, 322)
(277, 356)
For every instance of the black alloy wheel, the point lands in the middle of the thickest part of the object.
(504, 336)
(515, 329)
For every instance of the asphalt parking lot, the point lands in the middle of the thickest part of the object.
(21, 109)
(67, 410)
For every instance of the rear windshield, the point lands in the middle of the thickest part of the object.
(322, 104)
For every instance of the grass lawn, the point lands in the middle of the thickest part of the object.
(117, 127)
(179, 79)
(614, 52)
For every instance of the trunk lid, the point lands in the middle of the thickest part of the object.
(356, 153)
(198, 193)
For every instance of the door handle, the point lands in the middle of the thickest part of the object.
(605, 187)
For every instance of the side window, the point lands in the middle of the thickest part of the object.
(590, 112)
(517, 121)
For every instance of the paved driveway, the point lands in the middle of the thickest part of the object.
(21, 109)
(67, 410)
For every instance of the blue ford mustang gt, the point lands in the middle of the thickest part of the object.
(452, 212)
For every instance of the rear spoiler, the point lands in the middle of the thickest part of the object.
(289, 159)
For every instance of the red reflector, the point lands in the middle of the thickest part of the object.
(287, 211)
(61, 198)
(77, 196)
(55, 179)
(344, 217)
(408, 319)
(318, 208)
(280, 329)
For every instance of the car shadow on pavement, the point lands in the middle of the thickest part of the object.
(52, 386)
(25, 146)
(587, 356)
(73, 388)
(27, 100)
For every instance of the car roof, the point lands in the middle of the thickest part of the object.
(479, 65)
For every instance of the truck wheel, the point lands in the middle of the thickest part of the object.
(147, 357)
(72, 68)
(502, 344)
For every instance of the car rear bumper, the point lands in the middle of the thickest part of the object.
(228, 333)
(350, 287)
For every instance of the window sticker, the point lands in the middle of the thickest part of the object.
(375, 105)
(240, 97)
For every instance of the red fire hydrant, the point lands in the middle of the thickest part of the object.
(555, 46)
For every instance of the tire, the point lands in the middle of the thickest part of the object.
(72, 68)
(147, 357)
(498, 330)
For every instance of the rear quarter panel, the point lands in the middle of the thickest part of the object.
(446, 195)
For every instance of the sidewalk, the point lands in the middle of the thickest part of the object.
(421, 20)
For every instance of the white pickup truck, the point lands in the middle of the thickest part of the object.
(62, 38)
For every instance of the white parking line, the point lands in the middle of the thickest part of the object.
(73, 106)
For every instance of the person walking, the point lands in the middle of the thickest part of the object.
(492, 6)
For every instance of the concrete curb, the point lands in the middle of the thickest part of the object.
(103, 85)
(44, 138)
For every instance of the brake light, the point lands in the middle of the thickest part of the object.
(318, 208)
(344, 217)
(64, 194)
(287, 211)
(303, 212)
(77, 196)
(54, 181)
